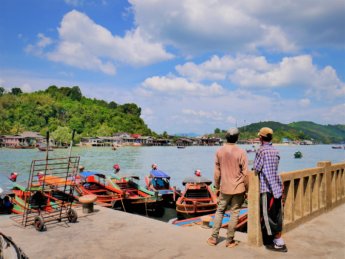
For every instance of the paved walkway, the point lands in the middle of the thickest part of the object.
(113, 234)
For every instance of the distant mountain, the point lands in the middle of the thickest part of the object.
(190, 134)
(302, 130)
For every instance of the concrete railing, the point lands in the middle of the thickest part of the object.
(307, 194)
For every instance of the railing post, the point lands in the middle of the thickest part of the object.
(254, 226)
(328, 180)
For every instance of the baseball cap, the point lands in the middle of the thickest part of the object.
(265, 131)
(233, 132)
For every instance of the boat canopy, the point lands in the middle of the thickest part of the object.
(196, 179)
(129, 176)
(89, 173)
(158, 174)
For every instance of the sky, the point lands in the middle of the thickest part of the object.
(192, 66)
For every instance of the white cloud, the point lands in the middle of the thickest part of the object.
(334, 114)
(217, 68)
(38, 48)
(87, 45)
(256, 72)
(224, 25)
(214, 115)
(181, 85)
(305, 102)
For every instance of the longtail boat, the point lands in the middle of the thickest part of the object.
(135, 197)
(97, 184)
(33, 198)
(197, 199)
(242, 220)
(159, 181)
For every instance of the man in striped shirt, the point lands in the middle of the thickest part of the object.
(271, 189)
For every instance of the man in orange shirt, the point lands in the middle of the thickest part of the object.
(230, 172)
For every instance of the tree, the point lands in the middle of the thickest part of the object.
(2, 91)
(112, 105)
(75, 93)
(104, 130)
(130, 108)
(16, 91)
(165, 134)
(217, 131)
(62, 135)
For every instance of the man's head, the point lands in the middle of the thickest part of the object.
(265, 134)
(232, 135)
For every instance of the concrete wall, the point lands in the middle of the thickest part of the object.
(307, 194)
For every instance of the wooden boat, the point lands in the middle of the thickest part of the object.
(253, 150)
(197, 199)
(44, 148)
(337, 147)
(179, 146)
(135, 197)
(242, 220)
(298, 154)
(24, 147)
(33, 198)
(97, 184)
(158, 181)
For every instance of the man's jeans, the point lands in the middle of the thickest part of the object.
(235, 202)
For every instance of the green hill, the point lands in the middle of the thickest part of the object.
(303, 130)
(66, 108)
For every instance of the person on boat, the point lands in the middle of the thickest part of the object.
(40, 177)
(116, 168)
(271, 190)
(13, 176)
(230, 173)
(154, 166)
(7, 205)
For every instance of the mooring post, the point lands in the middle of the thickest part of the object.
(254, 226)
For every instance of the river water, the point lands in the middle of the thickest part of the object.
(178, 163)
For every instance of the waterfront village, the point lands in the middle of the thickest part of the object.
(29, 139)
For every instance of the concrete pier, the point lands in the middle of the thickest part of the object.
(107, 233)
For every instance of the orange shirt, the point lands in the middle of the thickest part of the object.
(231, 169)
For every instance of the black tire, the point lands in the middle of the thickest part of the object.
(72, 216)
(39, 223)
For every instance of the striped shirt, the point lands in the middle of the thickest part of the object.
(266, 164)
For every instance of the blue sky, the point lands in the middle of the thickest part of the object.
(192, 66)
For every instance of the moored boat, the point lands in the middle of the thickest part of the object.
(33, 199)
(242, 220)
(298, 154)
(135, 197)
(159, 181)
(337, 147)
(44, 148)
(197, 199)
(97, 184)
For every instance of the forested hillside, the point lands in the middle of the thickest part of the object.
(303, 130)
(63, 109)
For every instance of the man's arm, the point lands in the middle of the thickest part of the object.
(258, 162)
(244, 169)
(216, 173)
